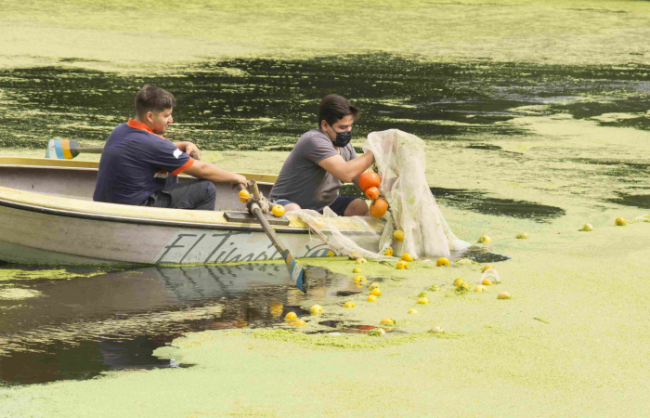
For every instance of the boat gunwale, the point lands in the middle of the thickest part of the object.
(161, 222)
(35, 163)
(81, 165)
(142, 221)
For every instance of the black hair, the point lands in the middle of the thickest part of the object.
(153, 99)
(334, 108)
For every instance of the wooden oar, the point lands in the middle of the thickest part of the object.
(67, 149)
(296, 272)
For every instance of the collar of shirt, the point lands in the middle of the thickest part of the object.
(132, 123)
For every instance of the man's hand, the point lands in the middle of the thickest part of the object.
(188, 148)
(193, 149)
(239, 179)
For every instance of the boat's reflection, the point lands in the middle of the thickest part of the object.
(203, 282)
(87, 325)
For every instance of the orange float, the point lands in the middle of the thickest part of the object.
(369, 179)
(378, 208)
(372, 193)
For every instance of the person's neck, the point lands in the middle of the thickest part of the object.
(324, 133)
(137, 119)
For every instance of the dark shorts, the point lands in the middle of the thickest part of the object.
(338, 206)
(193, 194)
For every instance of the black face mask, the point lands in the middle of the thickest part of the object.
(343, 138)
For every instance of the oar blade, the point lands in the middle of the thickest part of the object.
(296, 272)
(61, 149)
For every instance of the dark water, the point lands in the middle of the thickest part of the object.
(263, 104)
(82, 327)
(481, 202)
(266, 104)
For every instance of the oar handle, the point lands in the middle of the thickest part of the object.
(253, 185)
(91, 150)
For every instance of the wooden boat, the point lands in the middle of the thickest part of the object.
(49, 218)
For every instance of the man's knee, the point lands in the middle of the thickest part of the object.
(358, 207)
(210, 189)
(291, 207)
(208, 198)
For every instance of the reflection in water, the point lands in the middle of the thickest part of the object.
(83, 327)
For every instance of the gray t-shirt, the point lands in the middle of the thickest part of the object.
(302, 180)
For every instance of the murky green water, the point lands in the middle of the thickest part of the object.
(265, 104)
(494, 104)
(81, 328)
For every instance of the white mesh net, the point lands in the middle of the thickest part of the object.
(400, 158)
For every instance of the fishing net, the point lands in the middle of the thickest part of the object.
(400, 159)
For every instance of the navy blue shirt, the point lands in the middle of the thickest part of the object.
(133, 164)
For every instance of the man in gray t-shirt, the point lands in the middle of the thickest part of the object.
(321, 161)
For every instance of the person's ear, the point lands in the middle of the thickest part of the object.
(324, 125)
(149, 116)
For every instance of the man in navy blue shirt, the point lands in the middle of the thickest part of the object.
(139, 167)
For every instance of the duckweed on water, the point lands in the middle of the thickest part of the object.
(11, 293)
(60, 274)
(343, 341)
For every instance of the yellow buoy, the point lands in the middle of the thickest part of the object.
(484, 239)
(360, 279)
(244, 196)
(442, 261)
(278, 210)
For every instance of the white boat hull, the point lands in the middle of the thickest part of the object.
(59, 228)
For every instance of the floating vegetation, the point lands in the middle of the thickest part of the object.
(338, 341)
(60, 274)
(12, 293)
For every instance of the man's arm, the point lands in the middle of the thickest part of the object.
(347, 171)
(188, 147)
(208, 171)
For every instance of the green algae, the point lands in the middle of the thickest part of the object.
(355, 342)
(10, 293)
(59, 274)
(503, 31)
(590, 359)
